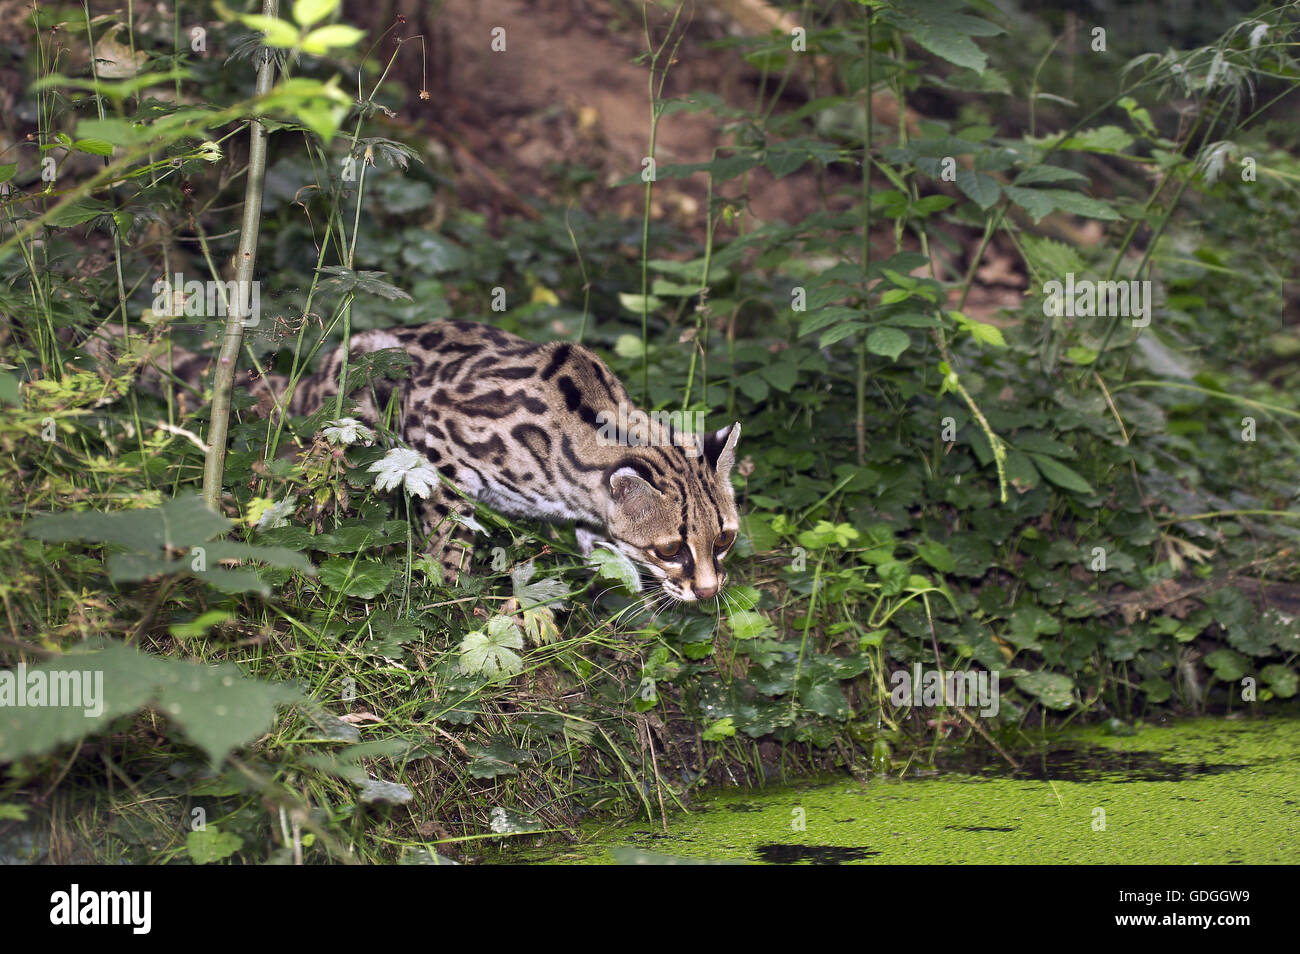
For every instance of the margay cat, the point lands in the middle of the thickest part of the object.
(513, 424)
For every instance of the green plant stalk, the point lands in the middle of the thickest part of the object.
(245, 260)
(860, 422)
(656, 110)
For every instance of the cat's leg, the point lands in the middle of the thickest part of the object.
(446, 521)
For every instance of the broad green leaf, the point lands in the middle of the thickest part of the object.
(612, 565)
(361, 578)
(1061, 475)
(310, 12)
(1282, 680)
(210, 844)
(749, 624)
(96, 147)
(981, 189)
(1036, 175)
(1053, 690)
(322, 40)
(490, 651)
(1227, 664)
(277, 32)
(216, 707)
(937, 555)
(888, 342)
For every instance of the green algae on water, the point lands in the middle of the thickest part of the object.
(1202, 791)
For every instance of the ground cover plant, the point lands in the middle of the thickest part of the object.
(959, 452)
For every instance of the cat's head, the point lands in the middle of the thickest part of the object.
(672, 511)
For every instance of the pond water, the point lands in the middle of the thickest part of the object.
(1205, 791)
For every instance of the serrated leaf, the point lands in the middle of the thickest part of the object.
(749, 624)
(887, 342)
(96, 147)
(612, 565)
(981, 189)
(490, 651)
(210, 843)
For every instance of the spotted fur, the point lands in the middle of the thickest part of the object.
(516, 425)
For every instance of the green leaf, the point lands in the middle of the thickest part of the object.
(1042, 202)
(96, 147)
(118, 132)
(1035, 175)
(361, 578)
(7, 171)
(200, 624)
(490, 651)
(981, 189)
(320, 41)
(210, 844)
(612, 565)
(309, 12)
(216, 707)
(887, 342)
(178, 524)
(824, 698)
(937, 555)
(1028, 623)
(277, 32)
(497, 758)
(782, 375)
(1227, 664)
(1282, 680)
(78, 213)
(749, 624)
(717, 731)
(1053, 690)
(1061, 475)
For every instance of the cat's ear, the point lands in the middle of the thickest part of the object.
(720, 449)
(632, 491)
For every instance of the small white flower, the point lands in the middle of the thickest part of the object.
(407, 467)
(348, 430)
(278, 514)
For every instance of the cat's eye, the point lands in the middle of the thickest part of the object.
(725, 539)
(666, 551)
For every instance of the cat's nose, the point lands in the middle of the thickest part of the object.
(705, 592)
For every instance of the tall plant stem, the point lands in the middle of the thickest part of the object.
(245, 260)
(860, 423)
